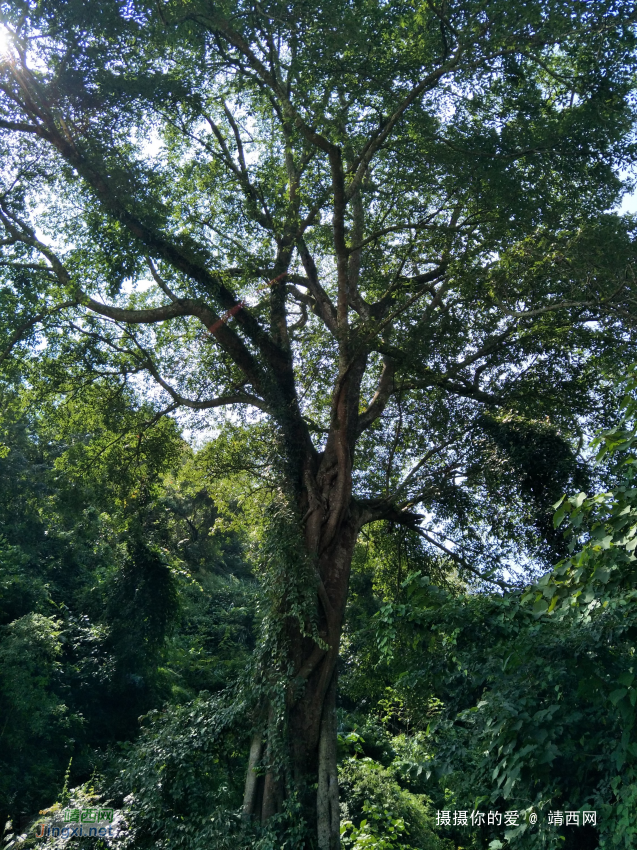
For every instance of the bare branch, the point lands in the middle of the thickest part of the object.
(361, 164)
(206, 404)
(462, 562)
(237, 138)
(399, 228)
(21, 127)
(412, 474)
(560, 305)
(430, 277)
(241, 171)
(36, 267)
(418, 294)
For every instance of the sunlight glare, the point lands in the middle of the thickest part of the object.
(5, 42)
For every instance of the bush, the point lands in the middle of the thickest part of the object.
(388, 817)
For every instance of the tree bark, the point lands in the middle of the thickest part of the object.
(252, 778)
(311, 706)
(327, 809)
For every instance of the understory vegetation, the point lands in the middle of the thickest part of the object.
(133, 592)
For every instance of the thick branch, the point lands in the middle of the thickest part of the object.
(226, 337)
(324, 306)
(381, 396)
(340, 247)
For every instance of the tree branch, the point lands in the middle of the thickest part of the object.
(325, 308)
(382, 395)
(227, 338)
(39, 317)
(161, 283)
(505, 585)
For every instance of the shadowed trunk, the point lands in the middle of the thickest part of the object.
(310, 727)
(327, 810)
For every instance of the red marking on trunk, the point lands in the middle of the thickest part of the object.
(234, 310)
(225, 317)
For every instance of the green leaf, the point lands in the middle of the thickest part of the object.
(617, 695)
(559, 516)
(540, 607)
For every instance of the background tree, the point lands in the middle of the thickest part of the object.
(520, 701)
(379, 231)
(106, 547)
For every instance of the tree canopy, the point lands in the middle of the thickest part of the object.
(246, 209)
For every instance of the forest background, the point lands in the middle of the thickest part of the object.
(366, 258)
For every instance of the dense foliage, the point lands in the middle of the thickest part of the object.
(450, 699)
(106, 547)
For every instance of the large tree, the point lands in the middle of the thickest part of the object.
(382, 230)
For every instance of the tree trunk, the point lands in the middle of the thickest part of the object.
(311, 731)
(331, 525)
(327, 810)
